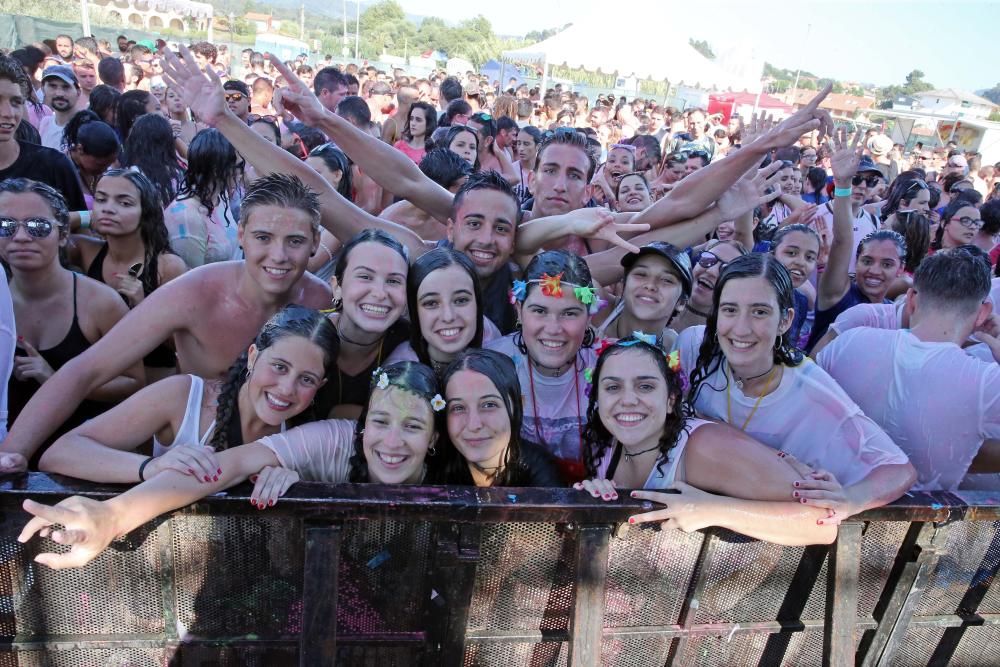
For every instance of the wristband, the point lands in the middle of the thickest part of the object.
(142, 468)
(843, 192)
(84, 219)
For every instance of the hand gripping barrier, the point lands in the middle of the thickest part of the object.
(394, 576)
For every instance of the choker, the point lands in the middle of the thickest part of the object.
(740, 381)
(696, 312)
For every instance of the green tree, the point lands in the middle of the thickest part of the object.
(702, 47)
(994, 116)
(993, 94)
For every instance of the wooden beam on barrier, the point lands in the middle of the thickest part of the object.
(840, 630)
(587, 622)
(318, 642)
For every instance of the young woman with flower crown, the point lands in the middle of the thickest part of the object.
(551, 350)
(389, 444)
(639, 435)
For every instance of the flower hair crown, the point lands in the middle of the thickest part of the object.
(673, 358)
(437, 402)
(553, 286)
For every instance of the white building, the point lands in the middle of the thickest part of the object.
(951, 102)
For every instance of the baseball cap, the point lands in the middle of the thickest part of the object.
(677, 258)
(867, 164)
(63, 72)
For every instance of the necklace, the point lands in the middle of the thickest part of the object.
(354, 342)
(739, 381)
(691, 308)
(729, 405)
(630, 455)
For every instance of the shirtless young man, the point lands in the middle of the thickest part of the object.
(212, 313)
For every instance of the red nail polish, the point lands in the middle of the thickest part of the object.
(207, 478)
(795, 484)
(802, 500)
(253, 502)
(795, 494)
(270, 503)
(215, 479)
(631, 520)
(219, 471)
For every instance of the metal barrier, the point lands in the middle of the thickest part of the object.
(372, 575)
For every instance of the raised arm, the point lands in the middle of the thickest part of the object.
(387, 166)
(90, 525)
(754, 486)
(835, 281)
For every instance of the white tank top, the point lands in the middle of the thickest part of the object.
(189, 432)
(664, 472)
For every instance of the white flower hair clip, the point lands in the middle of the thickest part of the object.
(438, 403)
(383, 381)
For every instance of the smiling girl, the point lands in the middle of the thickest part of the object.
(189, 418)
(745, 371)
(552, 352)
(389, 445)
(639, 437)
(445, 303)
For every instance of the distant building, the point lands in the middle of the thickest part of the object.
(264, 22)
(951, 102)
(838, 104)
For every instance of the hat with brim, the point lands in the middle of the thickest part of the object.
(63, 72)
(677, 258)
(867, 165)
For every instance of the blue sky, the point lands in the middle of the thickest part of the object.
(956, 43)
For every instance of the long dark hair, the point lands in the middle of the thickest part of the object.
(426, 264)
(212, 169)
(367, 236)
(456, 130)
(500, 370)
(104, 102)
(553, 262)
(129, 106)
(292, 320)
(150, 147)
(430, 116)
(915, 227)
(152, 229)
(953, 207)
(336, 160)
(596, 437)
(903, 189)
(86, 131)
(710, 355)
(411, 376)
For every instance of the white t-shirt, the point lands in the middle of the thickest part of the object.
(808, 416)
(51, 133)
(934, 400)
(864, 224)
(319, 451)
(877, 315)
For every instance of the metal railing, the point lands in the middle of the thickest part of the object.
(374, 575)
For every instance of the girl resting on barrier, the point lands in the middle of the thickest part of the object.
(640, 436)
(388, 445)
(190, 420)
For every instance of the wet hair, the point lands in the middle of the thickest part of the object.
(206, 50)
(128, 108)
(292, 320)
(430, 116)
(817, 181)
(111, 72)
(328, 78)
(883, 235)
(500, 370)
(955, 280)
(355, 110)
(103, 101)
(532, 132)
(485, 180)
(553, 262)
(86, 131)
(310, 137)
(150, 147)
(596, 437)
(282, 190)
(915, 228)
(445, 167)
(903, 189)
(455, 108)
(410, 376)
(953, 207)
(152, 229)
(367, 236)
(710, 354)
(567, 138)
(990, 211)
(652, 147)
(52, 197)
(271, 124)
(426, 264)
(454, 131)
(213, 167)
(506, 122)
(336, 160)
(631, 173)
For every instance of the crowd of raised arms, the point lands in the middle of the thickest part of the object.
(281, 271)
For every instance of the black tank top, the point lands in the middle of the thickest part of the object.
(19, 392)
(162, 356)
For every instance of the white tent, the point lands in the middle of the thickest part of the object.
(645, 49)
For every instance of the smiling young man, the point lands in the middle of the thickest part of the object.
(211, 313)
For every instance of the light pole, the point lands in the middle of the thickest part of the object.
(232, 25)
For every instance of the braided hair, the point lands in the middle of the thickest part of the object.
(710, 355)
(292, 320)
(410, 376)
(596, 437)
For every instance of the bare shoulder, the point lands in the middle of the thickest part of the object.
(170, 266)
(92, 294)
(313, 292)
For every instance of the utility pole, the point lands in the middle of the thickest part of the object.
(302, 22)
(343, 49)
(795, 86)
(357, 30)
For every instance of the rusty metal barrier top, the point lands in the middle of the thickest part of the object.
(374, 575)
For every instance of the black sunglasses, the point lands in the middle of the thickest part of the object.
(870, 181)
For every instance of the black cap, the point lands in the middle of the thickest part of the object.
(677, 258)
(237, 86)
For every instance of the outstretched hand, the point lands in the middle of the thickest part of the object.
(844, 161)
(296, 98)
(750, 192)
(688, 509)
(88, 527)
(808, 118)
(201, 90)
(600, 223)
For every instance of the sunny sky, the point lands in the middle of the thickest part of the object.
(953, 42)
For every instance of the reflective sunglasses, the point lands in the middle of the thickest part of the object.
(707, 259)
(234, 97)
(37, 228)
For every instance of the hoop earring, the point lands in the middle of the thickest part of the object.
(248, 372)
(589, 337)
(336, 304)
(432, 451)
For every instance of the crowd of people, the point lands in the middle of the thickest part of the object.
(225, 267)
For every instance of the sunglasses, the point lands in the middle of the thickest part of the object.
(254, 117)
(234, 97)
(707, 259)
(37, 228)
(870, 181)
